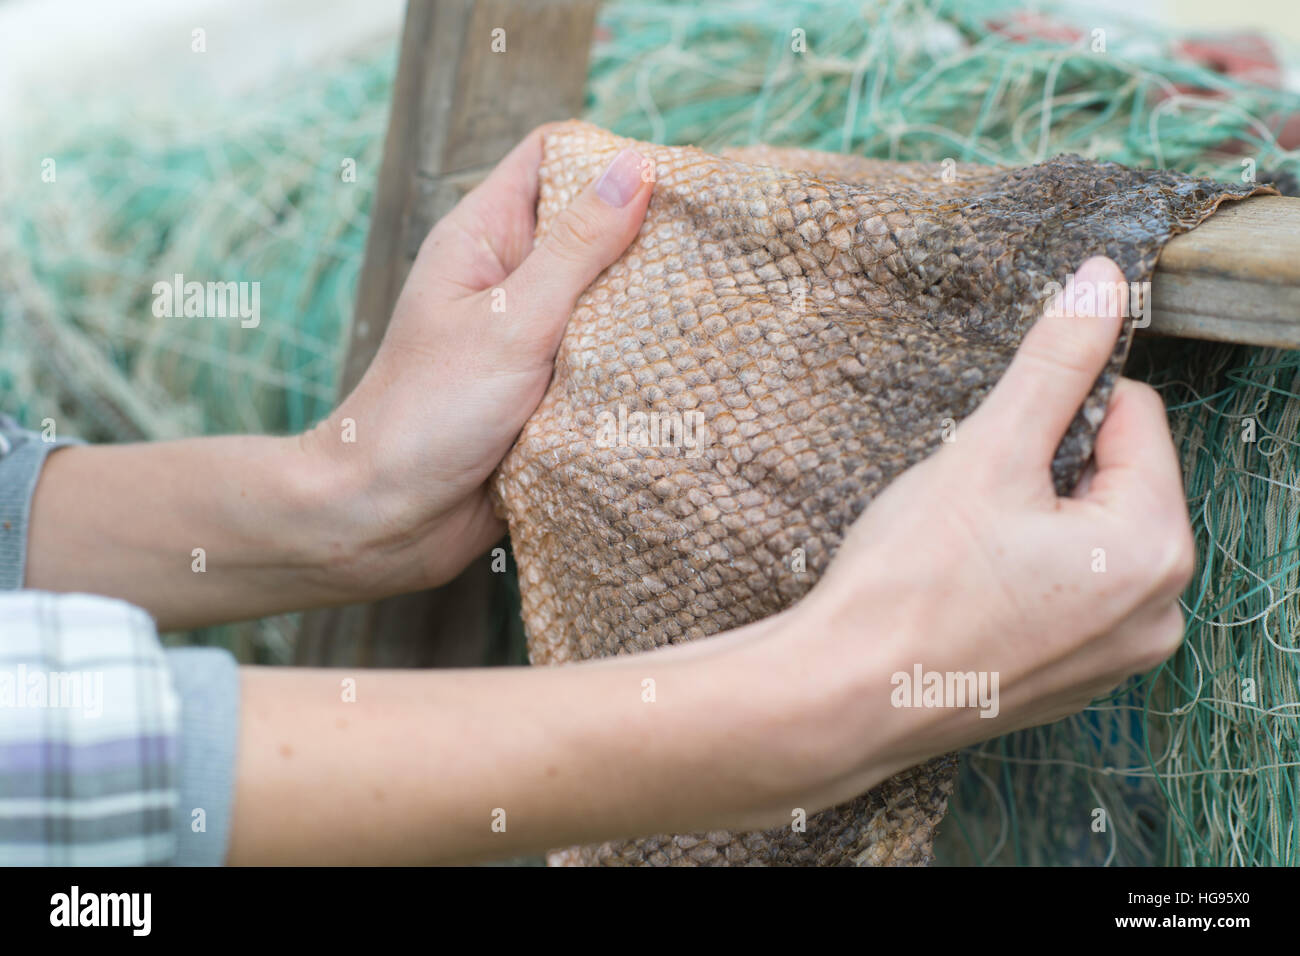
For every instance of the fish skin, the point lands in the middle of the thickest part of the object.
(917, 289)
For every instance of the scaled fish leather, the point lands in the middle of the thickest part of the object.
(825, 315)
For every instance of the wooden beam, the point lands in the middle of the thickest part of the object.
(1235, 278)
(457, 108)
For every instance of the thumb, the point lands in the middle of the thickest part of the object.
(581, 243)
(1056, 366)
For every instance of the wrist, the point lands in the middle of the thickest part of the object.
(825, 674)
(785, 716)
(381, 530)
(882, 629)
(328, 485)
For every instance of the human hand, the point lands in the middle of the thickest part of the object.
(970, 562)
(466, 358)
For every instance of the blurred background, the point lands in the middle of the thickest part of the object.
(143, 138)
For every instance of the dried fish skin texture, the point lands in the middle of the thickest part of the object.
(823, 318)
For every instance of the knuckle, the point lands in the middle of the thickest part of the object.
(542, 129)
(1161, 641)
(1143, 397)
(1174, 559)
(1140, 393)
(1067, 353)
(1175, 629)
(1159, 652)
(1067, 344)
(573, 233)
(440, 235)
(1183, 564)
(1163, 549)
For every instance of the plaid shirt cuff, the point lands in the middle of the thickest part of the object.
(89, 734)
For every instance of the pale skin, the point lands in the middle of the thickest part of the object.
(968, 561)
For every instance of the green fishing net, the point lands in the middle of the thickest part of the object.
(1197, 763)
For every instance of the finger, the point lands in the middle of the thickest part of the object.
(580, 244)
(500, 210)
(488, 233)
(1055, 368)
(1137, 646)
(1134, 452)
(1081, 489)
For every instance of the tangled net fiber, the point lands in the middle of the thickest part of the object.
(1195, 763)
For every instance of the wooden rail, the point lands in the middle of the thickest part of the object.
(459, 105)
(1235, 278)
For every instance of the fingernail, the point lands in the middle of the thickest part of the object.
(1099, 289)
(621, 179)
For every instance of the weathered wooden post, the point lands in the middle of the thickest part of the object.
(473, 77)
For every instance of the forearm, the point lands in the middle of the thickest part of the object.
(417, 769)
(194, 531)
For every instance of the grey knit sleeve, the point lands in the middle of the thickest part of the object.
(207, 682)
(22, 454)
